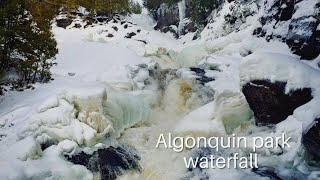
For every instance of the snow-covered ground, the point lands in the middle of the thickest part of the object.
(96, 101)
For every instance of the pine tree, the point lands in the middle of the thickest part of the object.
(201, 9)
(27, 44)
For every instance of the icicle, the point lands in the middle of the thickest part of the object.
(182, 14)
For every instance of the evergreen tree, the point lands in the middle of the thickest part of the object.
(153, 6)
(135, 7)
(27, 45)
(202, 9)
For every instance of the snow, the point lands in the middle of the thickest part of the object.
(103, 104)
(305, 8)
(99, 61)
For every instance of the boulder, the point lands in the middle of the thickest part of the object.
(64, 22)
(110, 162)
(130, 35)
(270, 103)
(311, 139)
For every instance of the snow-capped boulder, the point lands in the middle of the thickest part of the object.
(87, 116)
(276, 85)
(270, 103)
(311, 139)
(109, 163)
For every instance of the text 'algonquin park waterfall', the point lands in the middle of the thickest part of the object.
(160, 90)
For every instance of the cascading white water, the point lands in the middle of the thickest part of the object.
(182, 15)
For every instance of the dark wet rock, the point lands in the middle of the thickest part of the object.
(306, 44)
(110, 35)
(77, 25)
(71, 74)
(110, 163)
(115, 28)
(311, 139)
(125, 26)
(198, 71)
(130, 35)
(63, 23)
(284, 9)
(139, 30)
(203, 79)
(102, 19)
(201, 76)
(47, 144)
(171, 30)
(269, 102)
(266, 172)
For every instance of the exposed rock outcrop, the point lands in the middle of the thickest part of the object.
(168, 20)
(289, 21)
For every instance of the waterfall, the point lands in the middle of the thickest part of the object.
(182, 14)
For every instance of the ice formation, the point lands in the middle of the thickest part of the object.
(182, 14)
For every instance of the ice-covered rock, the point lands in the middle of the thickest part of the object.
(232, 109)
(125, 110)
(303, 37)
(108, 163)
(191, 56)
(88, 116)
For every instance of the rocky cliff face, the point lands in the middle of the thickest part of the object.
(168, 19)
(295, 22)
